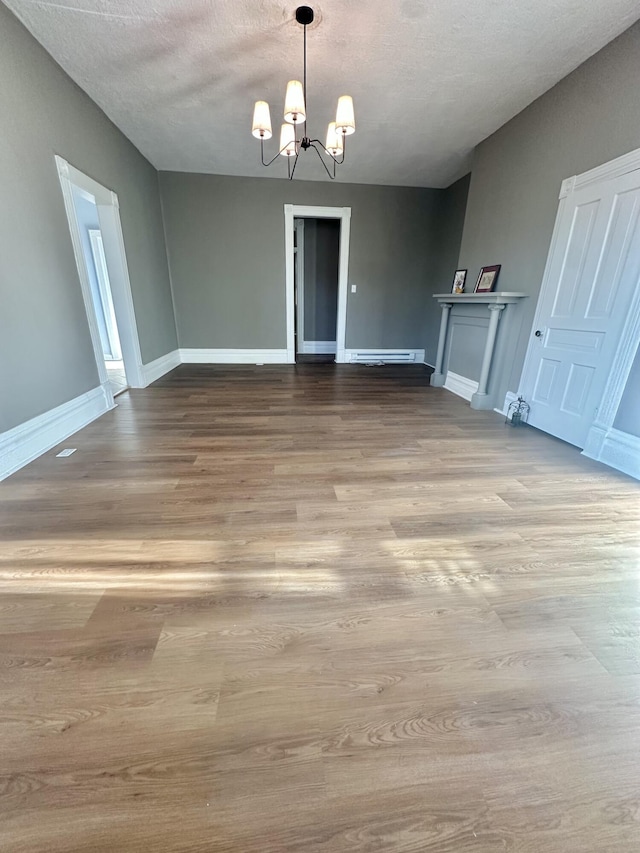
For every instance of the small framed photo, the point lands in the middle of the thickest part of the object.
(459, 278)
(487, 279)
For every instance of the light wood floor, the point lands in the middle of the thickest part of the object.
(317, 609)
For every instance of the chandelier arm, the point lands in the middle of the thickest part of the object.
(328, 153)
(275, 156)
(295, 163)
(322, 160)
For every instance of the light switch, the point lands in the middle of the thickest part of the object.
(353, 288)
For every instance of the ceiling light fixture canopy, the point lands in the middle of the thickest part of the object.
(295, 113)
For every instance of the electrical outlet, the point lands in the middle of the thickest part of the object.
(353, 288)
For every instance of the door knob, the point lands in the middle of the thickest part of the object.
(538, 333)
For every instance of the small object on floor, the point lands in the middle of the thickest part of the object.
(67, 451)
(518, 413)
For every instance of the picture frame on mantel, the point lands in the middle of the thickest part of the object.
(459, 278)
(487, 278)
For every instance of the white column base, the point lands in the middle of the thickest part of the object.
(481, 401)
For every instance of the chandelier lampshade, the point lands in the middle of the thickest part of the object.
(295, 114)
(334, 140)
(294, 109)
(345, 118)
(288, 140)
(261, 127)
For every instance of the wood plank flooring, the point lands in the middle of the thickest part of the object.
(319, 609)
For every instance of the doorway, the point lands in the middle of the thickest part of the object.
(317, 260)
(86, 211)
(313, 327)
(93, 215)
(588, 317)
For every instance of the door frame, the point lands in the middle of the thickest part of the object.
(295, 211)
(298, 227)
(630, 336)
(104, 286)
(113, 240)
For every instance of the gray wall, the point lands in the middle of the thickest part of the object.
(589, 118)
(321, 256)
(46, 357)
(225, 238)
(628, 415)
(448, 235)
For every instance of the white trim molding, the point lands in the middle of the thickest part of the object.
(234, 356)
(108, 208)
(618, 377)
(398, 356)
(613, 169)
(615, 448)
(460, 385)
(24, 443)
(318, 347)
(295, 211)
(156, 369)
(606, 171)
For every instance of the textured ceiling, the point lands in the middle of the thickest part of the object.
(430, 78)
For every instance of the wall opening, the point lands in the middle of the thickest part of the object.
(316, 270)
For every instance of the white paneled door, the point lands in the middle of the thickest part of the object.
(592, 272)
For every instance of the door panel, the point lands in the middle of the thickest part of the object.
(593, 271)
(574, 339)
(576, 389)
(572, 271)
(620, 241)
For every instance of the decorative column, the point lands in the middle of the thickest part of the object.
(438, 377)
(480, 400)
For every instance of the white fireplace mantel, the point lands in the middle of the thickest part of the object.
(496, 303)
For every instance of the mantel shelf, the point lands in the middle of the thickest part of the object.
(497, 298)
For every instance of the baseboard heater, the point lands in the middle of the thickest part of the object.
(368, 357)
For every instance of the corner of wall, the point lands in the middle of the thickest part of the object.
(168, 258)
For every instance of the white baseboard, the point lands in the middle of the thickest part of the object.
(617, 449)
(460, 385)
(24, 443)
(510, 397)
(400, 356)
(233, 356)
(157, 368)
(318, 347)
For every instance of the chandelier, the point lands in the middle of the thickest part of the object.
(295, 113)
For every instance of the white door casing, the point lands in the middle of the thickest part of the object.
(587, 302)
(299, 284)
(111, 229)
(291, 212)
